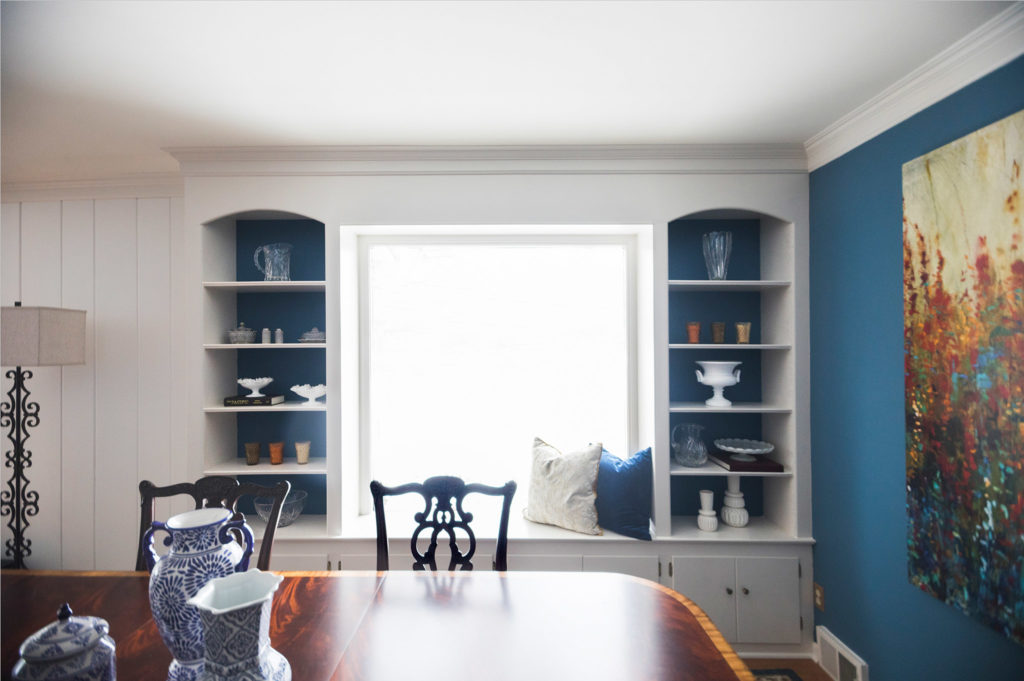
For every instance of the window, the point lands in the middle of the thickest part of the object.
(472, 344)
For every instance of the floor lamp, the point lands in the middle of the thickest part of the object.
(34, 337)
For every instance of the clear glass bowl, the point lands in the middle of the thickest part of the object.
(290, 510)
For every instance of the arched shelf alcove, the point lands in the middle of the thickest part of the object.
(749, 318)
(284, 301)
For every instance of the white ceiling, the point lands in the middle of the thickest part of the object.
(96, 90)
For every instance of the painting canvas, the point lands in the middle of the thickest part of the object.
(963, 287)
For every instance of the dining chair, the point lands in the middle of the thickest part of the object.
(212, 491)
(440, 515)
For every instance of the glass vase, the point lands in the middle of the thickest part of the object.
(688, 448)
(717, 249)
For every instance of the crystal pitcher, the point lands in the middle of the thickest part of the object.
(276, 261)
(687, 447)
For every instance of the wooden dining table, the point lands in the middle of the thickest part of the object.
(392, 626)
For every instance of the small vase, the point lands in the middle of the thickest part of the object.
(687, 447)
(717, 249)
(235, 613)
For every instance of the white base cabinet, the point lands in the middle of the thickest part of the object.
(750, 599)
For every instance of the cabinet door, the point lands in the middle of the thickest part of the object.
(354, 562)
(768, 600)
(710, 582)
(541, 563)
(283, 562)
(638, 566)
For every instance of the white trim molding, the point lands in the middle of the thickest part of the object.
(993, 44)
(143, 186)
(490, 160)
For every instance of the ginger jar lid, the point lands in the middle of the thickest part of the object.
(65, 649)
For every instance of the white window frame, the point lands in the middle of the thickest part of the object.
(353, 303)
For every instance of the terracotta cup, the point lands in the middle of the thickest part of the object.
(302, 452)
(276, 452)
(693, 332)
(718, 332)
(252, 453)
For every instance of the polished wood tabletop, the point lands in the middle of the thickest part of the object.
(391, 626)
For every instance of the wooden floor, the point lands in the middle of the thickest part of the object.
(806, 669)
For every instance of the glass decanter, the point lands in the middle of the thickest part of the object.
(688, 448)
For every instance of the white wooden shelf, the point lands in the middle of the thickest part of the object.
(267, 286)
(736, 408)
(239, 467)
(729, 346)
(284, 406)
(712, 468)
(758, 530)
(738, 285)
(263, 346)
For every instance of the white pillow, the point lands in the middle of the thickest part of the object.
(563, 487)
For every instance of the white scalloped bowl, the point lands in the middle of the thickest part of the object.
(742, 449)
(310, 392)
(255, 385)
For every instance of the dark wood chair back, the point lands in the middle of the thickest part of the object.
(439, 516)
(209, 492)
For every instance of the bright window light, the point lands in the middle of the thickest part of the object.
(473, 347)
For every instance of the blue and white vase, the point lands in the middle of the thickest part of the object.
(202, 547)
(236, 621)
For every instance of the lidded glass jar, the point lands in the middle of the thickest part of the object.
(242, 334)
(70, 649)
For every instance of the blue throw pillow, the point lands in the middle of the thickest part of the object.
(624, 494)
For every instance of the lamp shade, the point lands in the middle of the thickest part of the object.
(41, 336)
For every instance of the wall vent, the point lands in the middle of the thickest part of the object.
(836, 658)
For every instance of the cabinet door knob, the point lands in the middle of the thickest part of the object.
(746, 591)
(728, 590)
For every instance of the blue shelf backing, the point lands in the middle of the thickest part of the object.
(315, 486)
(305, 236)
(686, 253)
(686, 497)
(288, 427)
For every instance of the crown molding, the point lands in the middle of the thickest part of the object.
(489, 160)
(143, 186)
(993, 44)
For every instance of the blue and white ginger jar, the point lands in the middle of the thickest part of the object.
(202, 547)
(70, 649)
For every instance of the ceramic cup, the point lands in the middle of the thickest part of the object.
(718, 332)
(276, 452)
(302, 452)
(742, 332)
(693, 332)
(252, 453)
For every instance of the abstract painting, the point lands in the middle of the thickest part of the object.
(963, 297)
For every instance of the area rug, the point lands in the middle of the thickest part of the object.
(775, 675)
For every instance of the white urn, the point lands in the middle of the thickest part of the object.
(718, 375)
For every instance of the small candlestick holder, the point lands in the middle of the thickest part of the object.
(706, 519)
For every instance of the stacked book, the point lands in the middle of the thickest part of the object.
(758, 465)
(247, 401)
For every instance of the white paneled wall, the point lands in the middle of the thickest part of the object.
(119, 418)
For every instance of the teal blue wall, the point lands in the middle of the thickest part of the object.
(857, 410)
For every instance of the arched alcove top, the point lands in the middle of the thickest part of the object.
(257, 214)
(761, 244)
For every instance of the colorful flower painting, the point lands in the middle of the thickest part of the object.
(963, 297)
